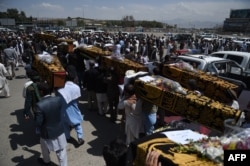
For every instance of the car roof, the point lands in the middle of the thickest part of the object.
(203, 57)
(88, 30)
(202, 60)
(233, 52)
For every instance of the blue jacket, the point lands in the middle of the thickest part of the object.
(48, 117)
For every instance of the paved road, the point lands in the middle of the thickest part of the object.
(19, 145)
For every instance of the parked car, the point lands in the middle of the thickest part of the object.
(209, 36)
(2, 29)
(77, 32)
(182, 37)
(88, 31)
(125, 33)
(98, 32)
(50, 31)
(241, 40)
(242, 59)
(138, 35)
(65, 30)
(220, 67)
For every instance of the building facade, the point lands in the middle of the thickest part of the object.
(238, 21)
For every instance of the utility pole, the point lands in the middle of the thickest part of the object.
(83, 17)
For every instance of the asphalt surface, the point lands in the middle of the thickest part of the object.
(19, 144)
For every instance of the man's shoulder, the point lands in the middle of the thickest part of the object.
(53, 97)
(48, 99)
(6, 49)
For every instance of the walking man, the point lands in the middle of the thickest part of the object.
(48, 121)
(10, 57)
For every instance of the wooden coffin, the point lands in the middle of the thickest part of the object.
(201, 109)
(212, 86)
(53, 73)
(94, 51)
(121, 66)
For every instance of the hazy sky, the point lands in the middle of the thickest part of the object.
(159, 10)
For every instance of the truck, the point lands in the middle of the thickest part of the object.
(220, 67)
(242, 59)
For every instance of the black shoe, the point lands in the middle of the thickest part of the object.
(9, 78)
(40, 160)
(101, 114)
(69, 140)
(80, 141)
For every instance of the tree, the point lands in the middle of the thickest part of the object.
(30, 18)
(128, 18)
(128, 21)
(60, 23)
(3, 15)
(80, 22)
(22, 15)
(150, 24)
(13, 13)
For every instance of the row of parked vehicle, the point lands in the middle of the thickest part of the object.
(67, 30)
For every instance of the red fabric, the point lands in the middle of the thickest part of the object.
(169, 119)
(204, 130)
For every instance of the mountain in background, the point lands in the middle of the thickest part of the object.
(181, 23)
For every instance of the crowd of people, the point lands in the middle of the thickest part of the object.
(101, 86)
(84, 75)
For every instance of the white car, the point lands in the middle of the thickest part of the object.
(242, 58)
(78, 32)
(241, 40)
(88, 31)
(98, 32)
(50, 31)
(212, 65)
(65, 30)
(2, 29)
(223, 68)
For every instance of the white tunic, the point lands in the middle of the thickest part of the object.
(55, 144)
